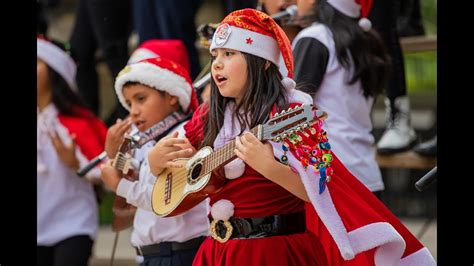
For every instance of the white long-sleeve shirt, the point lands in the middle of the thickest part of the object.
(66, 203)
(148, 228)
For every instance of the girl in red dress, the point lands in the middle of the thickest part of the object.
(258, 218)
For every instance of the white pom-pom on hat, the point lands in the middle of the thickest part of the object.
(222, 210)
(288, 83)
(234, 169)
(365, 24)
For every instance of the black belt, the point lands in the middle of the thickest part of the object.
(166, 248)
(246, 228)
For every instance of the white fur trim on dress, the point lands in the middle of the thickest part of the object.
(222, 210)
(234, 169)
(322, 203)
(422, 257)
(156, 77)
(58, 60)
(389, 243)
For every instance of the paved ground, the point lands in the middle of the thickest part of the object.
(125, 254)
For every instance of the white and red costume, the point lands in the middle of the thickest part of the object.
(350, 220)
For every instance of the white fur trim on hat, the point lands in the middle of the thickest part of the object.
(347, 7)
(58, 60)
(246, 41)
(222, 210)
(156, 77)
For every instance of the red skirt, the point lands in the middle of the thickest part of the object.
(296, 249)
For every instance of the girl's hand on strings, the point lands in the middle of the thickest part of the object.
(171, 147)
(252, 151)
(67, 153)
(116, 135)
(109, 175)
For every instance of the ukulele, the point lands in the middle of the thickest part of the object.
(177, 190)
(124, 212)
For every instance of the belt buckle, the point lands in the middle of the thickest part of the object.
(214, 233)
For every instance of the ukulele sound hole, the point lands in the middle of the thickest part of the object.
(195, 173)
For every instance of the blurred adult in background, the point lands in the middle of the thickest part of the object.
(103, 25)
(399, 134)
(409, 20)
(168, 19)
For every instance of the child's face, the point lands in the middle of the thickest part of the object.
(229, 71)
(305, 6)
(42, 79)
(275, 6)
(148, 106)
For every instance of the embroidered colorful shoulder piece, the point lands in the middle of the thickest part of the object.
(312, 149)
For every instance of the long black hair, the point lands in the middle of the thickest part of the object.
(264, 90)
(365, 49)
(63, 97)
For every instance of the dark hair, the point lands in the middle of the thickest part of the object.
(63, 97)
(366, 49)
(264, 90)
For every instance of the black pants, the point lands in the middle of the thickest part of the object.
(73, 251)
(104, 25)
(175, 258)
(383, 16)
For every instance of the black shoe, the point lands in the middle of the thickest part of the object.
(428, 148)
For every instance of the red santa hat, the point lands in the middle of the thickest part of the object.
(162, 74)
(170, 49)
(355, 9)
(58, 60)
(254, 32)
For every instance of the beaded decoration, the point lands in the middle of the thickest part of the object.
(318, 156)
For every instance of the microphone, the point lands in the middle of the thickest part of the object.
(285, 14)
(427, 179)
(82, 172)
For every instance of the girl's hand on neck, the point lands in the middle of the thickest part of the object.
(253, 152)
(167, 149)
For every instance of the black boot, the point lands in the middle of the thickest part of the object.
(428, 148)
